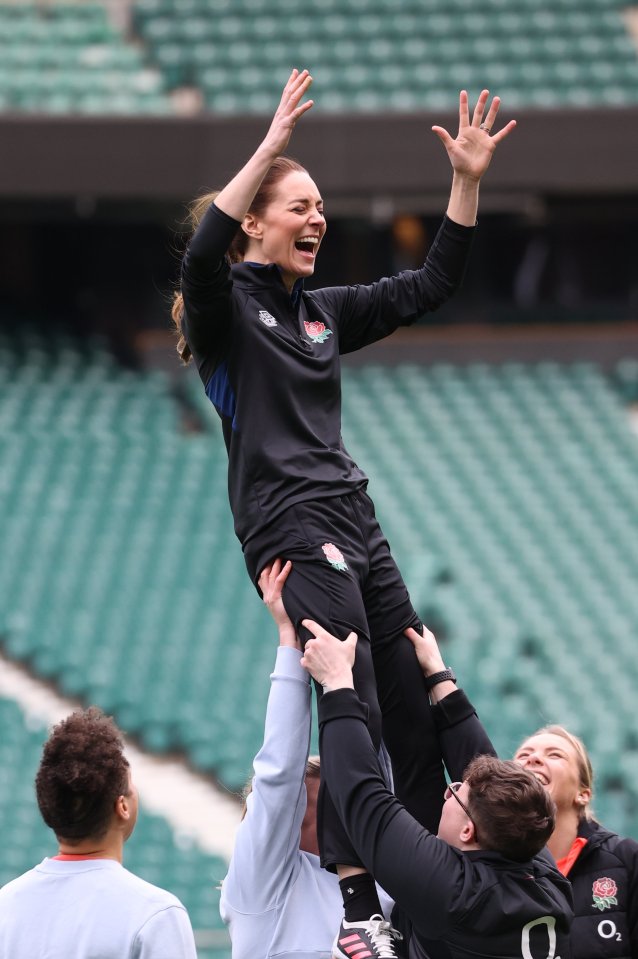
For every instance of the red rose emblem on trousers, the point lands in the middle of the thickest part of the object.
(604, 888)
(334, 556)
(332, 553)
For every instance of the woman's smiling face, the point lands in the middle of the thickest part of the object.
(554, 762)
(290, 230)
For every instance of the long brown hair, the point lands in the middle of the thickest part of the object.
(279, 169)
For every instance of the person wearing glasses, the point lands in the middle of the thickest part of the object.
(601, 865)
(484, 883)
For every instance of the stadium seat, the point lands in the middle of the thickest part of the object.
(508, 495)
(535, 50)
(69, 58)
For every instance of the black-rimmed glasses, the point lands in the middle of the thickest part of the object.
(452, 790)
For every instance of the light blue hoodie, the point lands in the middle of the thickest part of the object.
(276, 899)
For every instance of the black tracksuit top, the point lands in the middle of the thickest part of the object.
(608, 930)
(270, 362)
(459, 904)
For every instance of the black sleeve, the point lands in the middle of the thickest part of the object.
(627, 852)
(206, 288)
(423, 874)
(461, 734)
(364, 314)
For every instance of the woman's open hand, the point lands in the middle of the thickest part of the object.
(472, 150)
(288, 112)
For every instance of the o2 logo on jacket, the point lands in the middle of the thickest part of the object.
(317, 331)
(607, 930)
(604, 893)
(550, 923)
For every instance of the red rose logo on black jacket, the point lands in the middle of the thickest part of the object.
(604, 892)
(317, 331)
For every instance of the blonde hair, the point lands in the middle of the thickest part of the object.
(585, 770)
(313, 771)
(279, 169)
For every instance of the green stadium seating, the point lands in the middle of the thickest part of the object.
(508, 493)
(521, 483)
(67, 57)
(78, 434)
(388, 55)
(368, 55)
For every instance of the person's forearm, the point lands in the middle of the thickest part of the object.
(415, 868)
(461, 733)
(441, 690)
(287, 635)
(267, 840)
(431, 663)
(236, 196)
(463, 203)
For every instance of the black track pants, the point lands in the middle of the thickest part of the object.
(344, 577)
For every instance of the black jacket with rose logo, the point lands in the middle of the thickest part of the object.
(604, 877)
(270, 362)
(604, 882)
(449, 904)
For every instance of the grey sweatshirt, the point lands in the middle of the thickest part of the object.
(91, 909)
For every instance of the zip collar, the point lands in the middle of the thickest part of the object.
(594, 833)
(261, 276)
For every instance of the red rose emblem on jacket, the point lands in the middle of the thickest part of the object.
(317, 331)
(604, 893)
(604, 888)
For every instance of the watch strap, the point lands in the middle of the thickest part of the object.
(441, 677)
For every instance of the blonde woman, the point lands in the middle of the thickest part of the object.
(601, 865)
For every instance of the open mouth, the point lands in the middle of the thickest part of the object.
(307, 245)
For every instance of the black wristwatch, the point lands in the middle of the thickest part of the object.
(441, 677)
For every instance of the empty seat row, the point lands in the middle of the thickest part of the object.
(515, 527)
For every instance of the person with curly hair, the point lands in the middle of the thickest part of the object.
(82, 902)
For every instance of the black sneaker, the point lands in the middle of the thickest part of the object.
(371, 939)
